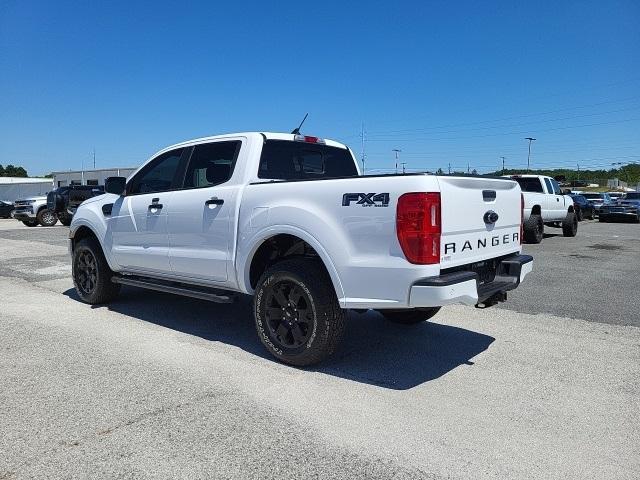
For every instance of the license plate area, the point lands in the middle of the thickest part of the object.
(485, 270)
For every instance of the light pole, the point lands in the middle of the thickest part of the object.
(397, 152)
(502, 165)
(529, 156)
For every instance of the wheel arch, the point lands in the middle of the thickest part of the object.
(536, 210)
(276, 243)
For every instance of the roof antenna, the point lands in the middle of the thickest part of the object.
(296, 131)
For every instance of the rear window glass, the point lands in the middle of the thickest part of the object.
(288, 160)
(592, 195)
(529, 184)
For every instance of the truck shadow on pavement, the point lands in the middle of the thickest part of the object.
(373, 350)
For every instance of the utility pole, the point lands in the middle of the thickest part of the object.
(578, 171)
(468, 167)
(529, 156)
(94, 158)
(397, 152)
(449, 168)
(403, 164)
(362, 138)
(502, 165)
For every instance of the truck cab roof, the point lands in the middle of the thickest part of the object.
(265, 135)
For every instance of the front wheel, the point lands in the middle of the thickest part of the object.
(409, 316)
(297, 314)
(91, 273)
(570, 225)
(46, 218)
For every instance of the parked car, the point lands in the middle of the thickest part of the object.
(64, 201)
(598, 200)
(33, 211)
(615, 196)
(544, 204)
(5, 209)
(582, 207)
(289, 219)
(627, 208)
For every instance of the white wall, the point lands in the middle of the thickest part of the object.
(62, 179)
(11, 192)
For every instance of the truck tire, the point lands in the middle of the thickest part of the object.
(297, 314)
(533, 229)
(91, 273)
(65, 219)
(579, 214)
(570, 225)
(30, 223)
(46, 218)
(409, 316)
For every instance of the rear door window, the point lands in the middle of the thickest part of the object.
(289, 160)
(211, 164)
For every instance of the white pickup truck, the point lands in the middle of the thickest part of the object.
(288, 219)
(545, 204)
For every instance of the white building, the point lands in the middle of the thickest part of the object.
(89, 177)
(14, 188)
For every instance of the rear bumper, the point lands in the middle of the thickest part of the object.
(463, 287)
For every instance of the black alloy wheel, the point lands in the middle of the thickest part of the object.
(86, 273)
(289, 315)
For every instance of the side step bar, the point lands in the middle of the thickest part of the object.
(202, 293)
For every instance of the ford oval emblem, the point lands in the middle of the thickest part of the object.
(491, 217)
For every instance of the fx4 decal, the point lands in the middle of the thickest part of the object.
(366, 199)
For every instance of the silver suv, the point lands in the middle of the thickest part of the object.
(33, 211)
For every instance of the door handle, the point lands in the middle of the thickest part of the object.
(214, 201)
(557, 199)
(155, 206)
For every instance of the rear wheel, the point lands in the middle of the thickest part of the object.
(409, 316)
(46, 218)
(533, 229)
(91, 273)
(65, 219)
(297, 314)
(570, 225)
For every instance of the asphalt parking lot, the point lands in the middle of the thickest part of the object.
(156, 386)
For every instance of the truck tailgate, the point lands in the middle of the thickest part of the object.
(480, 219)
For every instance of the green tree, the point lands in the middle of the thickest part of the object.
(1, 171)
(13, 171)
(439, 172)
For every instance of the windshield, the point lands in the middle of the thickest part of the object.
(529, 184)
(287, 160)
(592, 195)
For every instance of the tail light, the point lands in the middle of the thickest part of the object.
(308, 139)
(521, 217)
(418, 225)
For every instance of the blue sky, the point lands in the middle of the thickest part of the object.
(445, 82)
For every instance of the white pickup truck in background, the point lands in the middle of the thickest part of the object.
(545, 204)
(288, 219)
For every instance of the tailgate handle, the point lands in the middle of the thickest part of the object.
(488, 195)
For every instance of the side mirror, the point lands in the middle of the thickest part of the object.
(115, 185)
